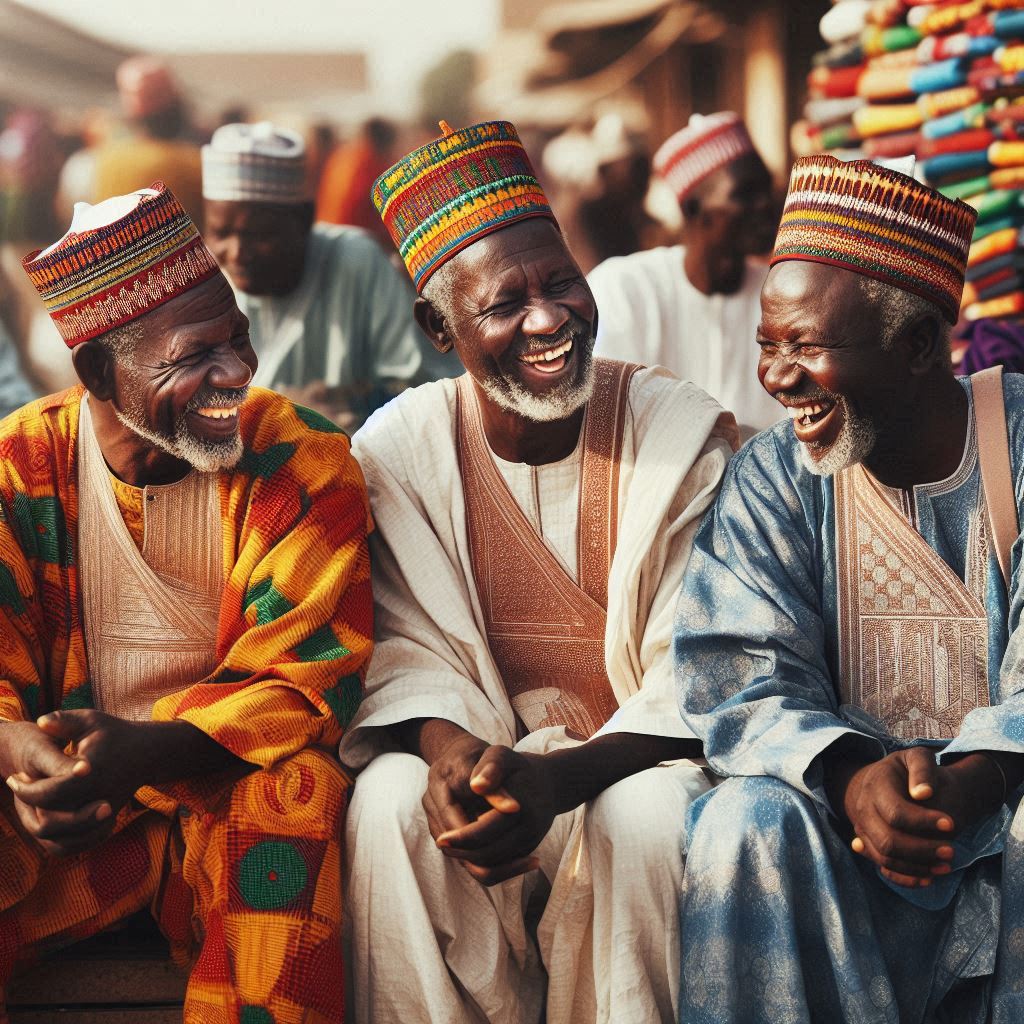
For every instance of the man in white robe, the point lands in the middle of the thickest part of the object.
(533, 523)
(328, 313)
(694, 307)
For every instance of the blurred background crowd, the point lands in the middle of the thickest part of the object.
(101, 100)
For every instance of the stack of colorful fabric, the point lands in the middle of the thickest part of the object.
(943, 81)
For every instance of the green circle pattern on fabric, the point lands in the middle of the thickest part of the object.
(272, 874)
(256, 1015)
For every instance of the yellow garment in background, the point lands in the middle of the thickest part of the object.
(126, 165)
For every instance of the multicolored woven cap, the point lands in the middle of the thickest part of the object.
(880, 223)
(119, 260)
(455, 190)
(695, 152)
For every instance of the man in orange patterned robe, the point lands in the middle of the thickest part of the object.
(185, 616)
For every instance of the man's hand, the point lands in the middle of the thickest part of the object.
(905, 809)
(464, 792)
(29, 755)
(522, 794)
(70, 801)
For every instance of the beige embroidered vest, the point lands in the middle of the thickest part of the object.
(546, 631)
(913, 639)
(150, 616)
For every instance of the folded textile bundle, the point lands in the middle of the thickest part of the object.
(943, 81)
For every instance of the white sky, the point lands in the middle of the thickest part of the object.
(402, 38)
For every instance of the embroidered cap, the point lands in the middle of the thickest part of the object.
(878, 222)
(685, 159)
(257, 163)
(451, 192)
(119, 259)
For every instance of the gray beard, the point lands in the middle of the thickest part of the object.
(559, 404)
(205, 456)
(854, 444)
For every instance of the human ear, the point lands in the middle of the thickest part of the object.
(432, 324)
(922, 340)
(94, 364)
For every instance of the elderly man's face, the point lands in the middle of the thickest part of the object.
(525, 320)
(262, 246)
(181, 386)
(822, 358)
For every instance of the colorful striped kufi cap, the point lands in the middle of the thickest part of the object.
(255, 163)
(685, 159)
(119, 259)
(878, 222)
(451, 192)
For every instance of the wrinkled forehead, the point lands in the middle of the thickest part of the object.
(813, 296)
(205, 312)
(535, 243)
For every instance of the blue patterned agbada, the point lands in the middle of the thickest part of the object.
(781, 922)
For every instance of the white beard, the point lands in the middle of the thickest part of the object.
(854, 444)
(558, 404)
(205, 456)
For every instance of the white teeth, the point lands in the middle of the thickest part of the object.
(547, 356)
(218, 413)
(804, 412)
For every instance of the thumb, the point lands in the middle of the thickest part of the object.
(921, 773)
(488, 778)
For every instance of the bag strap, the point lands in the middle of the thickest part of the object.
(994, 456)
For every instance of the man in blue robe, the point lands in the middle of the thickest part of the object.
(847, 643)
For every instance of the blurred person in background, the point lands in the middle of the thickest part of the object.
(15, 389)
(602, 177)
(330, 317)
(694, 307)
(30, 161)
(157, 146)
(348, 176)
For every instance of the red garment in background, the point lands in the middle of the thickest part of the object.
(344, 193)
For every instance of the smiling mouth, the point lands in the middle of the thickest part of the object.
(223, 413)
(549, 360)
(813, 422)
(807, 415)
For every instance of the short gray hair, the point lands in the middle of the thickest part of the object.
(897, 308)
(122, 340)
(439, 290)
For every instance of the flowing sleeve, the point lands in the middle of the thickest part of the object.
(431, 659)
(751, 675)
(21, 632)
(622, 327)
(1001, 726)
(295, 630)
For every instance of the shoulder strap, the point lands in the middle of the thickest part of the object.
(994, 456)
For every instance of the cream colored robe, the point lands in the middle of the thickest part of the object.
(418, 920)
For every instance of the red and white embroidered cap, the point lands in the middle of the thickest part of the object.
(701, 148)
(119, 259)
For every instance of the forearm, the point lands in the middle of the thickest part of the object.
(179, 750)
(585, 771)
(991, 775)
(428, 737)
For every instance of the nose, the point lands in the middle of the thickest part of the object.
(779, 372)
(544, 317)
(230, 370)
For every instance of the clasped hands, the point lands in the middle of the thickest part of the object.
(489, 807)
(905, 810)
(70, 773)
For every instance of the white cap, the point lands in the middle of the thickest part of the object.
(258, 163)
